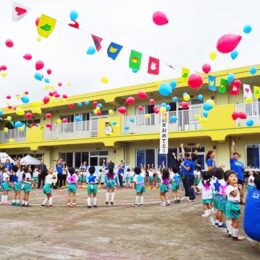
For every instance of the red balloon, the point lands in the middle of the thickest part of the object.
(26, 93)
(122, 110)
(140, 108)
(3, 67)
(59, 84)
(71, 106)
(28, 115)
(237, 83)
(8, 97)
(195, 81)
(242, 115)
(184, 105)
(48, 125)
(95, 104)
(206, 68)
(37, 20)
(99, 113)
(141, 95)
(46, 100)
(228, 42)
(64, 96)
(235, 115)
(9, 107)
(64, 120)
(9, 43)
(159, 18)
(151, 101)
(48, 115)
(130, 100)
(27, 56)
(156, 110)
(51, 93)
(57, 95)
(39, 65)
(49, 71)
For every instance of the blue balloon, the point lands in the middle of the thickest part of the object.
(25, 99)
(253, 70)
(163, 105)
(18, 124)
(247, 28)
(173, 119)
(86, 102)
(200, 97)
(134, 70)
(175, 99)
(230, 78)
(165, 90)
(132, 120)
(114, 123)
(99, 105)
(38, 76)
(79, 104)
(73, 15)
(173, 84)
(126, 128)
(207, 106)
(46, 80)
(249, 122)
(205, 114)
(234, 54)
(168, 107)
(78, 118)
(91, 50)
(1, 112)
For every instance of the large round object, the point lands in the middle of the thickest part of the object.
(160, 18)
(141, 95)
(130, 100)
(195, 81)
(206, 68)
(228, 42)
(122, 110)
(165, 90)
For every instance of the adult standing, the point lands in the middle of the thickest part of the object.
(120, 172)
(42, 175)
(64, 173)
(59, 170)
(210, 160)
(184, 158)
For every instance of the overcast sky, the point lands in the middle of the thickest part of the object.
(191, 34)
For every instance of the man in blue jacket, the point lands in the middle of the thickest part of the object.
(59, 170)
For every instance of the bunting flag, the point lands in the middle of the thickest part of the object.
(185, 72)
(247, 91)
(234, 90)
(223, 86)
(256, 92)
(74, 24)
(212, 83)
(153, 66)
(135, 60)
(113, 50)
(46, 25)
(19, 11)
(97, 41)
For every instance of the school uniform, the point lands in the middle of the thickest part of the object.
(164, 186)
(5, 184)
(140, 183)
(18, 177)
(27, 186)
(220, 198)
(206, 192)
(111, 181)
(232, 206)
(72, 182)
(92, 181)
(47, 188)
(176, 178)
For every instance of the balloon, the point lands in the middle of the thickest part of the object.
(18, 124)
(132, 120)
(57, 95)
(207, 106)
(86, 102)
(175, 99)
(242, 115)
(165, 90)
(21, 128)
(8, 97)
(9, 118)
(104, 80)
(195, 81)
(147, 116)
(173, 84)
(94, 103)
(19, 111)
(64, 120)
(156, 110)
(110, 112)
(253, 70)
(58, 121)
(64, 96)
(130, 100)
(25, 99)
(51, 93)
(99, 105)
(237, 83)
(173, 119)
(73, 15)
(211, 102)
(9, 43)
(27, 56)
(230, 78)
(163, 110)
(3, 74)
(151, 101)
(126, 128)
(78, 118)
(59, 84)
(206, 68)
(205, 114)
(91, 50)
(235, 115)
(249, 122)
(38, 76)
(163, 105)
(122, 110)
(196, 117)
(160, 18)
(48, 125)
(49, 71)
(46, 100)
(3, 67)
(11, 140)
(249, 100)
(247, 28)
(39, 65)
(1, 112)
(228, 42)
(186, 97)
(79, 104)
(200, 97)
(6, 129)
(184, 105)
(48, 115)
(168, 107)
(114, 123)
(140, 108)
(213, 55)
(233, 54)
(46, 80)
(141, 95)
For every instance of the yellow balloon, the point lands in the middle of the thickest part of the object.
(68, 84)
(21, 128)
(211, 102)
(104, 80)
(38, 39)
(186, 97)
(164, 118)
(163, 110)
(110, 112)
(18, 97)
(58, 121)
(47, 87)
(3, 74)
(98, 108)
(11, 140)
(203, 120)
(213, 55)
(37, 110)
(249, 100)
(196, 117)
(19, 112)
(9, 118)
(147, 116)
(6, 130)
(95, 111)
(36, 104)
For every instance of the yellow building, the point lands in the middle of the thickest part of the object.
(135, 136)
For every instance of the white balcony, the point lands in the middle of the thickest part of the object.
(83, 129)
(252, 111)
(16, 134)
(139, 124)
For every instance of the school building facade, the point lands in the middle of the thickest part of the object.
(134, 137)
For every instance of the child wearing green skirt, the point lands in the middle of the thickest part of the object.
(139, 182)
(17, 179)
(92, 187)
(47, 189)
(111, 180)
(72, 180)
(5, 185)
(26, 186)
(164, 188)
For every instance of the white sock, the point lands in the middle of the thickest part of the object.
(6, 198)
(22, 202)
(17, 201)
(235, 232)
(216, 221)
(50, 201)
(13, 201)
(2, 198)
(209, 211)
(141, 200)
(26, 202)
(136, 199)
(89, 201)
(229, 226)
(112, 196)
(206, 212)
(107, 196)
(45, 201)
(95, 201)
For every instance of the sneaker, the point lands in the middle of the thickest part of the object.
(89, 207)
(43, 205)
(50, 206)
(112, 203)
(13, 203)
(223, 225)
(94, 206)
(237, 238)
(191, 200)
(205, 215)
(106, 202)
(216, 223)
(176, 201)
(135, 205)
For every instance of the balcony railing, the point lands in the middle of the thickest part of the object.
(139, 124)
(72, 130)
(252, 111)
(16, 134)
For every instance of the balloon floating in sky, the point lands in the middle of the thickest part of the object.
(213, 55)
(247, 29)
(37, 20)
(130, 101)
(39, 65)
(165, 90)
(122, 110)
(49, 71)
(104, 80)
(46, 100)
(253, 70)
(3, 67)
(141, 95)
(206, 68)
(73, 15)
(27, 56)
(25, 99)
(234, 54)
(59, 84)
(91, 50)
(228, 42)
(195, 81)
(38, 76)
(9, 43)
(160, 18)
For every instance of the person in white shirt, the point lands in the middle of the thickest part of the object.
(36, 173)
(47, 189)
(251, 181)
(5, 185)
(17, 178)
(27, 186)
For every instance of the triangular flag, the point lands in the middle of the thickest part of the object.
(135, 60)
(256, 92)
(113, 50)
(185, 72)
(19, 11)
(223, 86)
(234, 90)
(46, 25)
(97, 41)
(247, 91)
(153, 66)
(212, 83)
(75, 24)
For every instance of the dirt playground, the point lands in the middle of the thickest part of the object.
(115, 232)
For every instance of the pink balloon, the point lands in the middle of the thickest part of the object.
(27, 56)
(140, 108)
(48, 115)
(65, 96)
(59, 84)
(46, 100)
(206, 68)
(48, 125)
(122, 110)
(228, 42)
(195, 81)
(151, 101)
(3, 67)
(184, 105)
(130, 100)
(71, 106)
(8, 97)
(237, 83)
(9, 43)
(141, 95)
(51, 93)
(64, 120)
(159, 18)
(39, 65)
(242, 115)
(57, 95)
(49, 71)
(156, 110)
(28, 115)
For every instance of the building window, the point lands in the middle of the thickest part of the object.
(253, 156)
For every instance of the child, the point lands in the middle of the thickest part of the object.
(27, 186)
(5, 185)
(197, 178)
(205, 187)
(72, 179)
(92, 187)
(132, 175)
(232, 206)
(164, 187)
(127, 178)
(102, 178)
(251, 179)
(111, 180)
(151, 180)
(176, 179)
(35, 176)
(139, 182)
(47, 189)
(17, 178)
